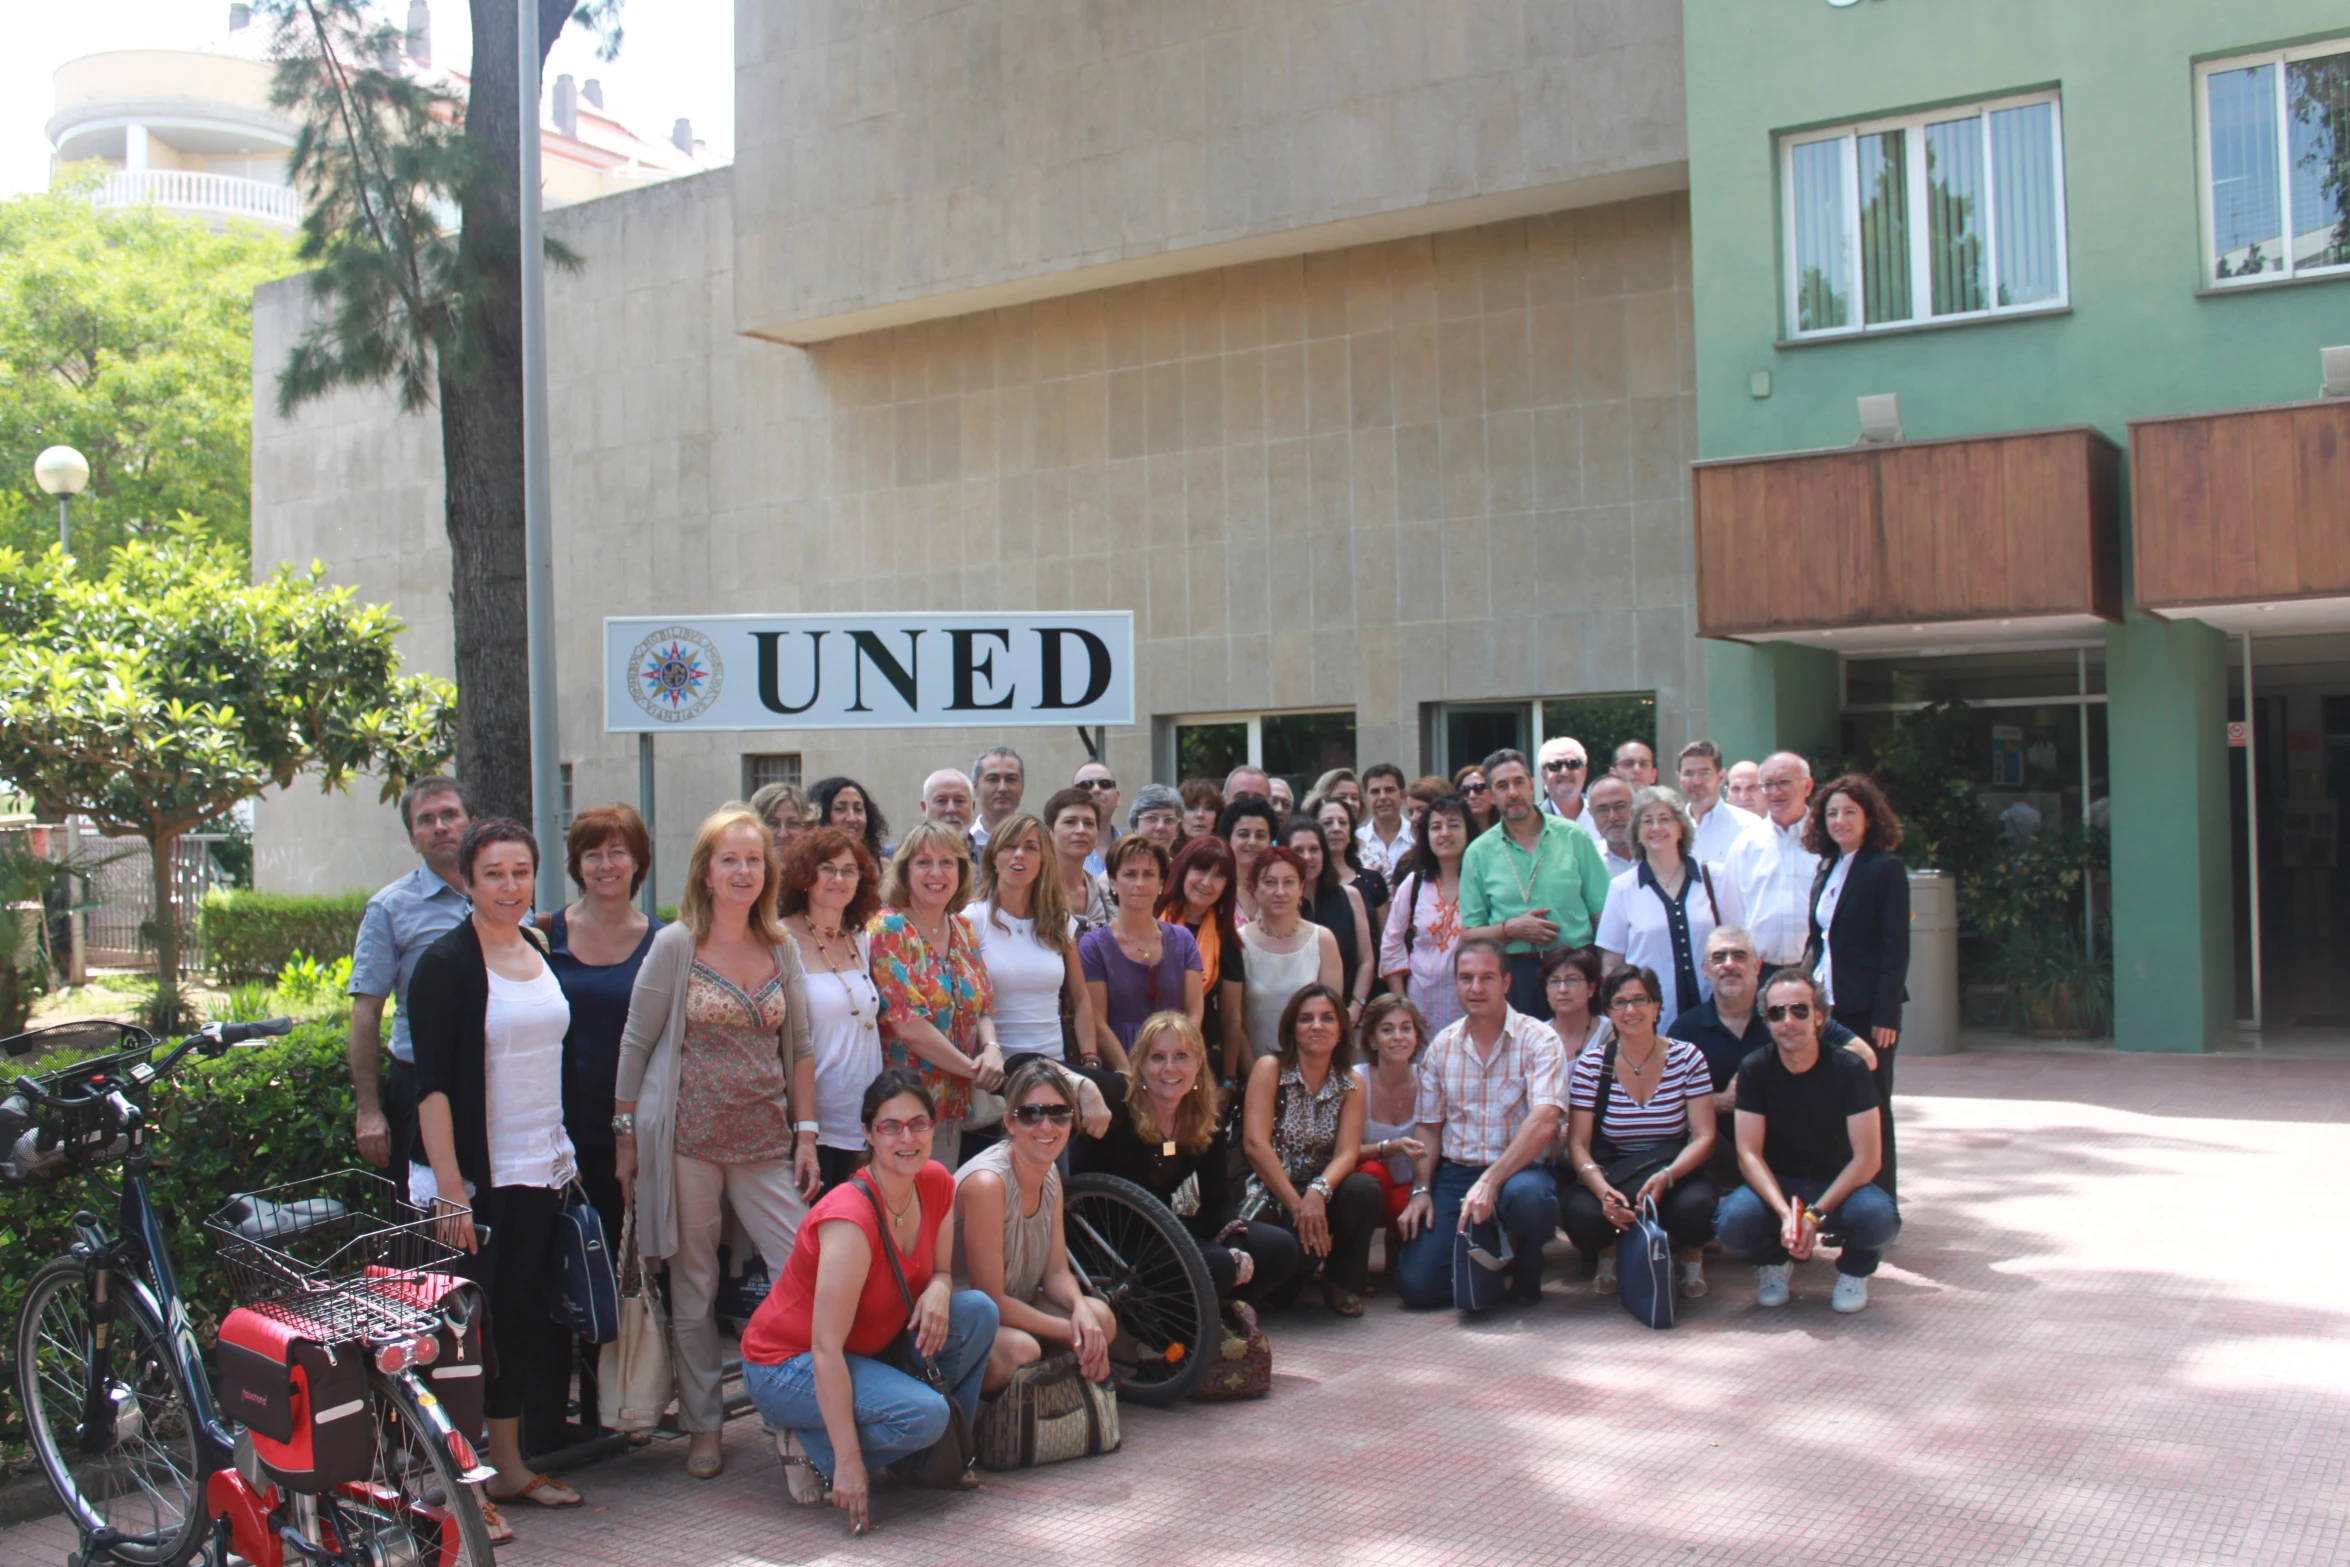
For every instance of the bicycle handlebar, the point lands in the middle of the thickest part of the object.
(212, 1040)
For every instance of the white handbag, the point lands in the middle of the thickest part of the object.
(634, 1379)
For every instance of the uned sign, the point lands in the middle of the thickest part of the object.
(671, 673)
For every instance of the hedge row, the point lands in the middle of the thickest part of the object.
(253, 1118)
(249, 936)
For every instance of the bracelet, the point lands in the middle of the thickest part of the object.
(1419, 1191)
(1319, 1184)
(1587, 1166)
(806, 1128)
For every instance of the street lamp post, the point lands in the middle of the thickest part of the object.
(62, 472)
(546, 767)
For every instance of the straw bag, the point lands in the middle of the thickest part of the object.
(1049, 1413)
(633, 1375)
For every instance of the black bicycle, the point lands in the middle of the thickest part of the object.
(1128, 1247)
(341, 1453)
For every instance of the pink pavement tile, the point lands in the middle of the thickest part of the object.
(2101, 1339)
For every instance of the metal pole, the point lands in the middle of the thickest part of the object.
(2252, 827)
(64, 519)
(546, 776)
(647, 898)
(2089, 881)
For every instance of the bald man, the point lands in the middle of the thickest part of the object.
(1771, 868)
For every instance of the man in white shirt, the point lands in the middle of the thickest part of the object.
(1744, 788)
(1635, 763)
(1771, 868)
(946, 799)
(1386, 839)
(1719, 823)
(1000, 779)
(1610, 802)
(1565, 768)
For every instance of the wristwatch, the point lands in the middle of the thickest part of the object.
(1319, 1184)
(1419, 1191)
(809, 1127)
(624, 1124)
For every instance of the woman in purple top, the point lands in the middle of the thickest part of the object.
(1137, 965)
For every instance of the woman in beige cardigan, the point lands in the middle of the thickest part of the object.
(716, 1098)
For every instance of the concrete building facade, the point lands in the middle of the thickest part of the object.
(1348, 346)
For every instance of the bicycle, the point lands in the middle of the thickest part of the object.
(119, 1407)
(1128, 1247)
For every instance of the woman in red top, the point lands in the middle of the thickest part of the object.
(811, 1356)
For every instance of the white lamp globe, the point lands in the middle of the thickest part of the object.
(61, 470)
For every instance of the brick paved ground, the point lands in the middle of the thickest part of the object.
(2113, 1332)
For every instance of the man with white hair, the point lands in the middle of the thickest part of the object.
(946, 799)
(1565, 768)
(1771, 868)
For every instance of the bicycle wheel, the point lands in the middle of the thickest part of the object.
(1136, 1255)
(409, 1507)
(147, 1485)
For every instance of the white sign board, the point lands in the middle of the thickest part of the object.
(671, 673)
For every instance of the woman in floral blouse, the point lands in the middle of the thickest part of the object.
(935, 994)
(1302, 1129)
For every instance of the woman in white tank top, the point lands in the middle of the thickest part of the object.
(1285, 952)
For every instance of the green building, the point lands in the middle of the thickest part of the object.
(2093, 253)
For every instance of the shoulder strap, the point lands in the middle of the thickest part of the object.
(1607, 1086)
(1705, 873)
(889, 1242)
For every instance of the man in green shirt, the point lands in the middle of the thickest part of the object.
(1530, 880)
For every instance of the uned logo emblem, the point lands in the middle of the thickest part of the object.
(675, 673)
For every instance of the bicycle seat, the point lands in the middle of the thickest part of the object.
(258, 1219)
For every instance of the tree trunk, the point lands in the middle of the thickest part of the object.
(481, 438)
(161, 852)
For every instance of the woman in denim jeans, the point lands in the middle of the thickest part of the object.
(813, 1355)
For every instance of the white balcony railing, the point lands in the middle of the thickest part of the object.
(183, 190)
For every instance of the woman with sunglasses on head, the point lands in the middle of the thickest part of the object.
(1138, 964)
(817, 1354)
(1200, 897)
(1302, 1129)
(1640, 1130)
(1469, 783)
(1166, 1136)
(1424, 918)
(831, 888)
(1009, 1243)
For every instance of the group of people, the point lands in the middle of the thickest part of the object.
(1518, 997)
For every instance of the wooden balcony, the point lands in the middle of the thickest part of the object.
(2242, 518)
(1983, 539)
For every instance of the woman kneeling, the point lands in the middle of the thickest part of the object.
(1008, 1238)
(813, 1356)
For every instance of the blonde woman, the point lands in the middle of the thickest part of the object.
(1028, 938)
(937, 1002)
(716, 1097)
(1166, 1127)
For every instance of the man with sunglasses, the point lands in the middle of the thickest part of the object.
(1096, 779)
(1808, 1146)
(1565, 769)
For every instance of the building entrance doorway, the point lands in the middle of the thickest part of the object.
(2287, 833)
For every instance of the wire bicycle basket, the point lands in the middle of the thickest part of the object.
(338, 1253)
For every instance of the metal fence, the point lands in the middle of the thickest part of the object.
(122, 898)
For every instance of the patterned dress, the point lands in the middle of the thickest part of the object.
(732, 1091)
(950, 989)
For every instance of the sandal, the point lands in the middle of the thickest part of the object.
(802, 1480)
(501, 1532)
(1341, 1299)
(543, 1491)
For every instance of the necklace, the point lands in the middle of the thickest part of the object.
(856, 1013)
(1640, 1069)
(1128, 945)
(1533, 868)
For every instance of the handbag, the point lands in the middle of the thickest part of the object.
(1627, 1166)
(1644, 1269)
(1481, 1259)
(1243, 1367)
(634, 1380)
(945, 1465)
(1051, 1412)
(582, 1295)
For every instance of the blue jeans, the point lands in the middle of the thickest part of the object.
(897, 1415)
(1528, 1209)
(1865, 1225)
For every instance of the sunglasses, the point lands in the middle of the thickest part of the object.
(918, 1127)
(1569, 765)
(1476, 788)
(1037, 1115)
(1099, 783)
(1798, 1010)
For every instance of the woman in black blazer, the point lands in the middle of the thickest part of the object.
(1860, 925)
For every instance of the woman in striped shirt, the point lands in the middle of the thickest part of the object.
(1640, 1128)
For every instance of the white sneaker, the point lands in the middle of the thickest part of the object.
(1852, 1293)
(1692, 1277)
(1770, 1283)
(1603, 1277)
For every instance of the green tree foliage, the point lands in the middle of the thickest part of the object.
(128, 336)
(160, 694)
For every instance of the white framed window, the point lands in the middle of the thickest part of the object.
(1950, 215)
(2276, 163)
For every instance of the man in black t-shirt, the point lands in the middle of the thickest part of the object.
(1808, 1147)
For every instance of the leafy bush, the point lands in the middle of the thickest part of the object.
(252, 936)
(306, 989)
(253, 1118)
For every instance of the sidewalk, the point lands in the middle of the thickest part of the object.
(2109, 1334)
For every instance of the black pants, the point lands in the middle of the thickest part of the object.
(1857, 1019)
(396, 1092)
(838, 1166)
(1686, 1212)
(1274, 1251)
(530, 1356)
(1526, 985)
(1355, 1212)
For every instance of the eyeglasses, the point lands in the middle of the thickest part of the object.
(1627, 1003)
(837, 872)
(1564, 765)
(1476, 788)
(918, 1127)
(1728, 955)
(1798, 1010)
(1036, 1115)
(1097, 783)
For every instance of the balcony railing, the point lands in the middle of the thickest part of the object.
(184, 190)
